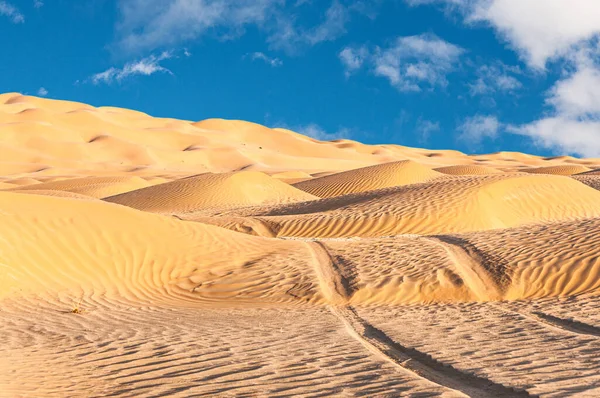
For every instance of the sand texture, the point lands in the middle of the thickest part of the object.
(154, 257)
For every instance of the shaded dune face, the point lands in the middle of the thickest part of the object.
(592, 180)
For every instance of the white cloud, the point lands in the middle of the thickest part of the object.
(424, 128)
(409, 63)
(38, 3)
(12, 12)
(574, 126)
(578, 95)
(274, 62)
(145, 67)
(494, 78)
(544, 31)
(474, 129)
(42, 92)
(566, 135)
(415, 60)
(539, 29)
(353, 58)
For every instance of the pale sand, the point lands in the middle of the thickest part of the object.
(151, 257)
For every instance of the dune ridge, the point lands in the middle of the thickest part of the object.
(367, 179)
(41, 135)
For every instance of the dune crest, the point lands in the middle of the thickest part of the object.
(368, 179)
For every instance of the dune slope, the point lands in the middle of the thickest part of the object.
(97, 187)
(56, 246)
(470, 203)
(212, 191)
(368, 179)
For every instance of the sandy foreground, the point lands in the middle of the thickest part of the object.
(148, 257)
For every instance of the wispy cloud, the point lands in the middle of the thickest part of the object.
(42, 92)
(424, 129)
(145, 67)
(38, 3)
(353, 58)
(12, 12)
(495, 78)
(272, 61)
(409, 63)
(147, 25)
(473, 130)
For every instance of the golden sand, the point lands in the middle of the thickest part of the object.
(142, 256)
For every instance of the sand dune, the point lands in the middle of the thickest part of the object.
(367, 179)
(212, 191)
(122, 253)
(97, 187)
(564, 170)
(88, 248)
(536, 261)
(281, 265)
(70, 138)
(461, 204)
(592, 180)
(50, 192)
(591, 172)
(467, 170)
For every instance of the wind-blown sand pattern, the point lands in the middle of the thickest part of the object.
(563, 170)
(158, 257)
(368, 179)
(472, 169)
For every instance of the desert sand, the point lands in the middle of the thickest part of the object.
(147, 257)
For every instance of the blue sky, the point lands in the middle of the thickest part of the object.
(473, 75)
